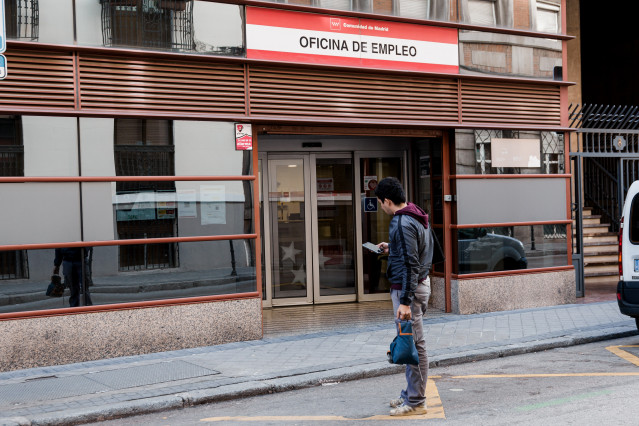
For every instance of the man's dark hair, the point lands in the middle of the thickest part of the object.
(391, 188)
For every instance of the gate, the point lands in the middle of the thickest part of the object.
(604, 153)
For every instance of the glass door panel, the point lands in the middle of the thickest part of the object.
(335, 256)
(287, 208)
(374, 221)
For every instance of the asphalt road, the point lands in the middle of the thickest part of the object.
(594, 384)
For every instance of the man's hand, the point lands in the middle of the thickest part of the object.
(56, 270)
(403, 313)
(384, 247)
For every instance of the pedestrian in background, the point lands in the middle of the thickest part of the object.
(410, 254)
(71, 261)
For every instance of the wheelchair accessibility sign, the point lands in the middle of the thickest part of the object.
(370, 204)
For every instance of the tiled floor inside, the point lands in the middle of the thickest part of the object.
(282, 321)
(603, 292)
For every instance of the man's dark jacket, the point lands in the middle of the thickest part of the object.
(410, 250)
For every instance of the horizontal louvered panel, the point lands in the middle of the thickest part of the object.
(161, 86)
(334, 94)
(38, 80)
(508, 103)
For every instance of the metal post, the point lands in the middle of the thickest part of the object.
(233, 272)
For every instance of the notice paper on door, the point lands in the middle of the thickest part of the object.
(213, 205)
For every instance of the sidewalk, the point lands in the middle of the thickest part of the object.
(98, 390)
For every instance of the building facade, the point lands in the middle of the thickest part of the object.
(209, 159)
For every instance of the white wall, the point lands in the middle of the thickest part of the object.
(39, 213)
(88, 22)
(50, 146)
(56, 21)
(97, 136)
(216, 25)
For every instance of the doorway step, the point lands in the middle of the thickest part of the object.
(601, 262)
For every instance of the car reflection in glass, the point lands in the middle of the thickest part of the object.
(481, 251)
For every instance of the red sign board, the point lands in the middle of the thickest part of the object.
(243, 137)
(281, 35)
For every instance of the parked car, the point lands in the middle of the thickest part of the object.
(628, 286)
(481, 251)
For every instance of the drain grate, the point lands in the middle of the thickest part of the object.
(150, 374)
(48, 388)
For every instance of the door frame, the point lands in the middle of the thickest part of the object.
(304, 300)
(317, 298)
(361, 296)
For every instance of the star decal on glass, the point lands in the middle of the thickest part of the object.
(323, 259)
(299, 276)
(290, 252)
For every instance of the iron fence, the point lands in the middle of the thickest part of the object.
(11, 160)
(22, 19)
(161, 24)
(13, 265)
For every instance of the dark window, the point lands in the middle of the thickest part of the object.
(633, 223)
(11, 149)
(160, 24)
(145, 148)
(22, 19)
(13, 264)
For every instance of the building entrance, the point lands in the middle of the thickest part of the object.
(317, 210)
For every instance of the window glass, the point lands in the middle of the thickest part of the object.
(206, 269)
(518, 151)
(441, 10)
(506, 54)
(633, 222)
(13, 264)
(49, 21)
(482, 12)
(548, 17)
(145, 209)
(176, 25)
(511, 248)
(11, 147)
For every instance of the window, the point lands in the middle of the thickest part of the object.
(336, 4)
(547, 17)
(417, 9)
(482, 12)
(510, 248)
(145, 148)
(13, 264)
(22, 19)
(163, 24)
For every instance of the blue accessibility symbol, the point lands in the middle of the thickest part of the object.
(370, 204)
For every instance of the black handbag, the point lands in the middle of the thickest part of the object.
(402, 348)
(55, 288)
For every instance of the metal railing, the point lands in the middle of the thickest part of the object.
(13, 265)
(144, 161)
(163, 24)
(22, 19)
(11, 160)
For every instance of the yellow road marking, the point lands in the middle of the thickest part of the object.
(623, 354)
(518, 376)
(435, 411)
(435, 406)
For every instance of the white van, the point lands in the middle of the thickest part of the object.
(628, 286)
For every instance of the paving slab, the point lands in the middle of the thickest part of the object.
(97, 390)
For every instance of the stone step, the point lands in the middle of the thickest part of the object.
(601, 259)
(595, 271)
(606, 239)
(591, 220)
(600, 250)
(604, 279)
(594, 229)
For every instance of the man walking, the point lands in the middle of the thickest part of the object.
(410, 253)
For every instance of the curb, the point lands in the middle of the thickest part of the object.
(303, 380)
